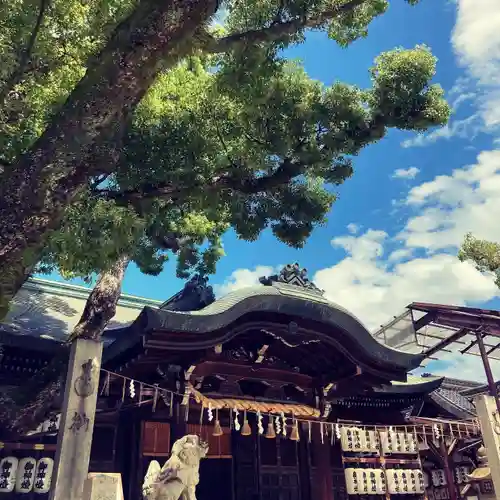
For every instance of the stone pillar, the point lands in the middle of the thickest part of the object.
(490, 427)
(77, 420)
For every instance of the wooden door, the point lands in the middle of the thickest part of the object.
(245, 462)
(156, 439)
(279, 469)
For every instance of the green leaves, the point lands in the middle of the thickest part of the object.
(93, 235)
(402, 91)
(71, 32)
(484, 254)
(256, 143)
(353, 24)
(233, 135)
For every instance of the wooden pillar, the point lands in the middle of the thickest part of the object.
(322, 461)
(450, 480)
(74, 439)
(181, 410)
(487, 370)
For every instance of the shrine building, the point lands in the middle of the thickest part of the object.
(296, 398)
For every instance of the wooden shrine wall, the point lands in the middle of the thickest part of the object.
(218, 446)
(155, 440)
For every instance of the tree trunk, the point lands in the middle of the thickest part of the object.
(101, 304)
(36, 189)
(23, 410)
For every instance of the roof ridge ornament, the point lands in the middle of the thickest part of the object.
(292, 274)
(195, 295)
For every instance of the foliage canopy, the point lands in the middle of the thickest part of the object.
(483, 253)
(215, 130)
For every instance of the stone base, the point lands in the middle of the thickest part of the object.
(103, 486)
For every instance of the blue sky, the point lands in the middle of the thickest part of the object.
(393, 233)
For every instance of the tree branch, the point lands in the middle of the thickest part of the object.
(27, 53)
(279, 30)
(223, 143)
(286, 172)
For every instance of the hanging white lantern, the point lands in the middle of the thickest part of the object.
(398, 444)
(438, 478)
(372, 444)
(8, 472)
(351, 480)
(393, 481)
(363, 480)
(412, 442)
(359, 439)
(405, 442)
(388, 441)
(442, 478)
(412, 481)
(420, 481)
(461, 474)
(381, 482)
(43, 475)
(346, 438)
(372, 481)
(25, 475)
(404, 481)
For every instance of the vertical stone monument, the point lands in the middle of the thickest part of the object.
(490, 428)
(74, 439)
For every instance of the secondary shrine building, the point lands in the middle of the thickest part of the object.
(296, 398)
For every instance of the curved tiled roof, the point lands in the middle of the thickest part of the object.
(212, 323)
(454, 403)
(413, 384)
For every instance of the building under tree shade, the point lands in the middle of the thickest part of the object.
(305, 403)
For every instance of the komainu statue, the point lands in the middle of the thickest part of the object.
(178, 478)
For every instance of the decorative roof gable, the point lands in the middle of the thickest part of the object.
(292, 274)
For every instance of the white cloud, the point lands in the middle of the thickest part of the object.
(467, 128)
(464, 367)
(409, 173)
(353, 228)
(242, 278)
(452, 205)
(400, 254)
(461, 98)
(381, 273)
(476, 41)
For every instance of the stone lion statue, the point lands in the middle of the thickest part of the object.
(178, 478)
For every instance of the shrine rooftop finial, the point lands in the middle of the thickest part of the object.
(292, 274)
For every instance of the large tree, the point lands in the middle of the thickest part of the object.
(73, 71)
(252, 145)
